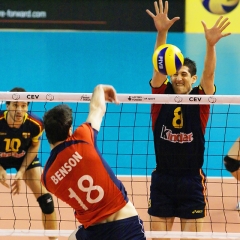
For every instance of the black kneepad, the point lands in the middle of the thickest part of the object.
(231, 164)
(46, 203)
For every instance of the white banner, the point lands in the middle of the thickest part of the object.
(123, 98)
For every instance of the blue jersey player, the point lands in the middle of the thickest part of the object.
(178, 182)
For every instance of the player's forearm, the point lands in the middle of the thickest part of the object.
(161, 39)
(98, 99)
(210, 60)
(207, 81)
(30, 155)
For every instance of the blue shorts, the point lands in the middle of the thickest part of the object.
(125, 229)
(177, 196)
(16, 163)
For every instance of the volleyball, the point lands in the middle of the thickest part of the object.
(167, 59)
(220, 6)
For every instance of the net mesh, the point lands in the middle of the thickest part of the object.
(126, 142)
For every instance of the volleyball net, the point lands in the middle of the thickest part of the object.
(126, 142)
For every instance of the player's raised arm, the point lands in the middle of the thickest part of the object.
(162, 24)
(212, 35)
(101, 95)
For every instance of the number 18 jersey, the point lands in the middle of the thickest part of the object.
(77, 174)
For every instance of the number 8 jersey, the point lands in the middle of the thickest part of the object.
(77, 174)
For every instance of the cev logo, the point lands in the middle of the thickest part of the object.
(32, 96)
(195, 99)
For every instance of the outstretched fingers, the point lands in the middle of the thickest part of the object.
(215, 33)
(150, 13)
(226, 34)
(218, 21)
(165, 7)
(222, 25)
(222, 22)
(159, 9)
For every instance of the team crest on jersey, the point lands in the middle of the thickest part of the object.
(26, 134)
(181, 137)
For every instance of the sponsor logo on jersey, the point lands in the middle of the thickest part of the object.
(3, 133)
(12, 154)
(181, 137)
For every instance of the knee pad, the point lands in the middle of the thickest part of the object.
(231, 164)
(46, 203)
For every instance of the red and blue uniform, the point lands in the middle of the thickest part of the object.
(15, 142)
(77, 174)
(178, 131)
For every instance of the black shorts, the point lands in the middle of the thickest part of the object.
(177, 196)
(16, 163)
(125, 229)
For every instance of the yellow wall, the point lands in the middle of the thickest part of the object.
(195, 12)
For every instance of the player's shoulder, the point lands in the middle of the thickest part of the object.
(85, 132)
(34, 118)
(2, 114)
(84, 128)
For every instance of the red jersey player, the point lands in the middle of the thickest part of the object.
(77, 174)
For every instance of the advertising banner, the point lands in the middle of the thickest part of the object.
(115, 15)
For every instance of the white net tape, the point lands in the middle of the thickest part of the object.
(124, 98)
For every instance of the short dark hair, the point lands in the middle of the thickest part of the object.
(16, 89)
(191, 66)
(57, 122)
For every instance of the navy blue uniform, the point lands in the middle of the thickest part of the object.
(178, 183)
(124, 229)
(14, 142)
